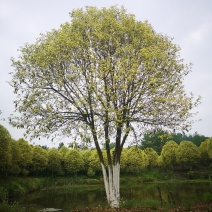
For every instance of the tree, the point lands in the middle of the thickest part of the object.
(136, 160)
(54, 162)
(85, 156)
(187, 154)
(26, 155)
(39, 159)
(16, 158)
(203, 149)
(195, 138)
(5, 150)
(152, 157)
(63, 150)
(155, 139)
(60, 145)
(73, 161)
(106, 75)
(169, 153)
(209, 147)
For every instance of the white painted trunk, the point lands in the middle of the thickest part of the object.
(111, 182)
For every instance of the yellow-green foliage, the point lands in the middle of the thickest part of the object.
(5, 148)
(209, 147)
(152, 157)
(73, 161)
(26, 155)
(168, 153)
(39, 159)
(54, 161)
(16, 157)
(94, 163)
(85, 156)
(203, 149)
(135, 160)
(187, 153)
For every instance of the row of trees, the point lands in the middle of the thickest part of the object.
(21, 158)
(157, 139)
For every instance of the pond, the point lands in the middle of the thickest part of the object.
(140, 195)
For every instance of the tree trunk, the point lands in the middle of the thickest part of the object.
(111, 182)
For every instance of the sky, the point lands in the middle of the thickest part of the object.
(189, 22)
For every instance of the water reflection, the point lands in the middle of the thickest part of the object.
(71, 198)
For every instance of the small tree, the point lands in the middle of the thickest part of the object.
(5, 150)
(169, 153)
(104, 75)
(187, 154)
(16, 157)
(26, 156)
(39, 159)
(209, 147)
(204, 156)
(73, 162)
(152, 157)
(54, 162)
(136, 160)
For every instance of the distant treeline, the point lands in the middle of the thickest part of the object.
(19, 158)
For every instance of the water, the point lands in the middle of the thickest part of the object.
(140, 195)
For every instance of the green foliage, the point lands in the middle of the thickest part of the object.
(207, 197)
(60, 145)
(155, 139)
(195, 138)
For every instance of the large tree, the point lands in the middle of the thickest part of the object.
(102, 75)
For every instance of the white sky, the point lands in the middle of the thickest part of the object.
(189, 22)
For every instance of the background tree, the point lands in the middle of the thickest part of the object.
(60, 145)
(26, 156)
(187, 154)
(63, 150)
(136, 160)
(16, 158)
(54, 162)
(73, 161)
(168, 153)
(203, 149)
(105, 74)
(152, 156)
(39, 159)
(209, 147)
(155, 139)
(94, 165)
(5, 150)
(194, 138)
(85, 156)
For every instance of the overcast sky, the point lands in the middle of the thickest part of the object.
(189, 22)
